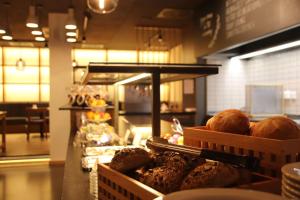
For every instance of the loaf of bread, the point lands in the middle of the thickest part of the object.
(231, 121)
(210, 174)
(281, 128)
(129, 159)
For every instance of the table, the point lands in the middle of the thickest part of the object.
(3, 123)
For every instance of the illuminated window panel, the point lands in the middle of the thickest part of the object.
(121, 56)
(45, 92)
(44, 56)
(0, 56)
(84, 56)
(1, 93)
(27, 75)
(45, 74)
(21, 93)
(153, 57)
(1, 80)
(29, 55)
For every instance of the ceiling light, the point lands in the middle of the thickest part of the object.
(132, 79)
(36, 32)
(20, 64)
(7, 35)
(74, 63)
(71, 39)
(2, 31)
(102, 6)
(269, 50)
(71, 34)
(71, 23)
(40, 39)
(32, 20)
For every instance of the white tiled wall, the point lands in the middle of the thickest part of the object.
(227, 89)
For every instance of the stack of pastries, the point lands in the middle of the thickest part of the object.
(171, 171)
(235, 121)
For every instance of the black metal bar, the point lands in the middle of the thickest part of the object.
(156, 104)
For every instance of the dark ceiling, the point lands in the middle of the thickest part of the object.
(115, 30)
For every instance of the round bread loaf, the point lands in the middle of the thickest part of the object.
(210, 174)
(164, 179)
(231, 121)
(129, 159)
(281, 128)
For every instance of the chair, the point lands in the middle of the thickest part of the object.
(37, 116)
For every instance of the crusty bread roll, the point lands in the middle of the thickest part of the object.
(231, 121)
(129, 159)
(281, 128)
(210, 174)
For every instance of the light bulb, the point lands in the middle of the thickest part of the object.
(102, 6)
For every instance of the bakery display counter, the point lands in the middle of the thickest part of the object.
(76, 182)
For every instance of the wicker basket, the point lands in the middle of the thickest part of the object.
(116, 186)
(273, 153)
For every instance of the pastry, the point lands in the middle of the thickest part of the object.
(210, 174)
(130, 159)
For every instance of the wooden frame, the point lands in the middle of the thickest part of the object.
(273, 153)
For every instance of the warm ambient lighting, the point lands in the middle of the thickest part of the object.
(102, 6)
(2, 31)
(71, 40)
(132, 79)
(74, 63)
(40, 39)
(7, 37)
(32, 20)
(269, 50)
(36, 32)
(71, 23)
(20, 64)
(71, 34)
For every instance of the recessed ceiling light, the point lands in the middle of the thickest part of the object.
(71, 40)
(40, 39)
(36, 32)
(7, 37)
(2, 31)
(71, 33)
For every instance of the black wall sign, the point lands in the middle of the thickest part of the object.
(224, 24)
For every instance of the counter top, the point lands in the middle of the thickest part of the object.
(68, 107)
(162, 113)
(75, 182)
